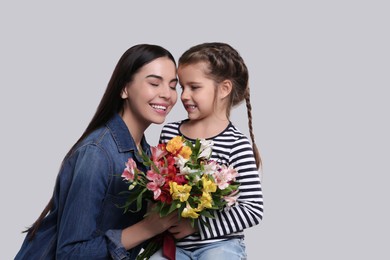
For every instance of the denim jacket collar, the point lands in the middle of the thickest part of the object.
(122, 136)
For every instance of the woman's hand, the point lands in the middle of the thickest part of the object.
(149, 227)
(157, 224)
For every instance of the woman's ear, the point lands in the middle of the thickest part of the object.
(124, 93)
(225, 88)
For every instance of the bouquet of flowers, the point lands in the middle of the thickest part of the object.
(182, 177)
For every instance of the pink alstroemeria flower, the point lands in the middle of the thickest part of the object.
(128, 172)
(211, 167)
(156, 181)
(231, 199)
(224, 176)
(157, 153)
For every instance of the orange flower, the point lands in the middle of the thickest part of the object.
(175, 144)
(185, 152)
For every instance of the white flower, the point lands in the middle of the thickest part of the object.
(210, 167)
(185, 170)
(180, 162)
(205, 148)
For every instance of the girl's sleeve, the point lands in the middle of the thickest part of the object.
(78, 234)
(248, 210)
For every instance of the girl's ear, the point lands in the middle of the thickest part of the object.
(124, 93)
(225, 88)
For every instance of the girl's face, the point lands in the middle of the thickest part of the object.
(151, 94)
(198, 91)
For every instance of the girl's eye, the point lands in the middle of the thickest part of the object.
(154, 84)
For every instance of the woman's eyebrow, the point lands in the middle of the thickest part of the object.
(161, 78)
(154, 76)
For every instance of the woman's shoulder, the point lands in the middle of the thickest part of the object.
(95, 142)
(96, 137)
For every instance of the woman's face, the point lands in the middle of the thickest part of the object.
(150, 96)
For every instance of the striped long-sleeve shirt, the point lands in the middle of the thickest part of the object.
(231, 147)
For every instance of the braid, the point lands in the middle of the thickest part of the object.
(251, 132)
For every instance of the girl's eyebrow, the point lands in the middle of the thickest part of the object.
(192, 83)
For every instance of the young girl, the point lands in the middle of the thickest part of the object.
(214, 78)
(82, 219)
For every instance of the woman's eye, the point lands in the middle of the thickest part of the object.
(173, 85)
(154, 84)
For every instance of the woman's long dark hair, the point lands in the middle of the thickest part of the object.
(128, 65)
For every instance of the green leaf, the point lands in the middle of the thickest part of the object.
(144, 156)
(152, 247)
(130, 199)
(155, 169)
(206, 213)
(139, 199)
(204, 223)
(173, 206)
(197, 147)
(192, 222)
(164, 211)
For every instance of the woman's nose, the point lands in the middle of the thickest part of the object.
(165, 92)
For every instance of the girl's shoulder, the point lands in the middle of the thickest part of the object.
(232, 137)
(170, 130)
(233, 132)
(173, 127)
(175, 124)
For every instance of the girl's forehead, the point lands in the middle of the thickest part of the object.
(200, 67)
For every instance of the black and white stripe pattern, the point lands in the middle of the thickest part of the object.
(231, 147)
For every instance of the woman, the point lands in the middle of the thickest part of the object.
(82, 219)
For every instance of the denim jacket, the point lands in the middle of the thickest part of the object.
(85, 221)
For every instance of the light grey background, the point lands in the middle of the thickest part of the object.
(319, 75)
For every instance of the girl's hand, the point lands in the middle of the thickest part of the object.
(182, 228)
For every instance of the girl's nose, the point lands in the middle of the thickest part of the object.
(184, 94)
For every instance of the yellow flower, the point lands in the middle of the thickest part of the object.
(185, 152)
(181, 192)
(174, 145)
(189, 212)
(205, 201)
(208, 185)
